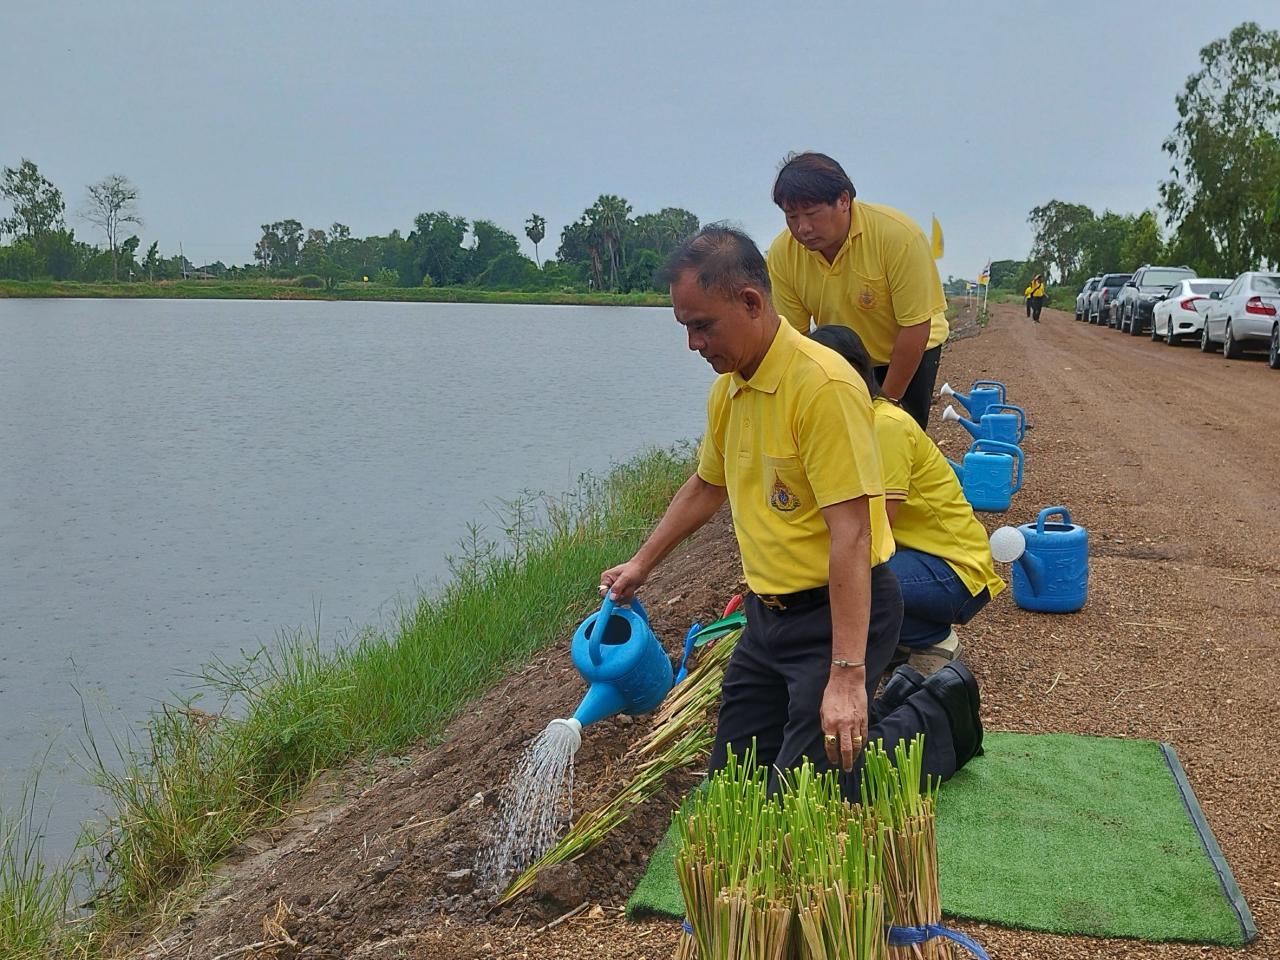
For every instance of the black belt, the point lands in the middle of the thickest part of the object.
(801, 598)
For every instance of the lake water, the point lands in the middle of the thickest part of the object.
(181, 480)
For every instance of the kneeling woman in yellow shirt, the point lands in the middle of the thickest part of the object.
(943, 560)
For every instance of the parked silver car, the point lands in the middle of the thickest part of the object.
(1082, 298)
(1181, 313)
(1246, 315)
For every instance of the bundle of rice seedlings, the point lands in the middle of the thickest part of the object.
(806, 871)
(892, 793)
(691, 701)
(835, 853)
(732, 869)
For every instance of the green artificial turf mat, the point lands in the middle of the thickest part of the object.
(658, 893)
(1074, 835)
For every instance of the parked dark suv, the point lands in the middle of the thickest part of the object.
(1137, 298)
(1101, 296)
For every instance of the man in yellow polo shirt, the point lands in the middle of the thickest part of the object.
(943, 558)
(790, 443)
(864, 266)
(1035, 297)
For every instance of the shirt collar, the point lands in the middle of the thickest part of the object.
(769, 374)
(855, 219)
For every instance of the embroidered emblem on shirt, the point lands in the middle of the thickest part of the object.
(867, 298)
(782, 498)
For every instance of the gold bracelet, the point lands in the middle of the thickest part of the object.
(848, 663)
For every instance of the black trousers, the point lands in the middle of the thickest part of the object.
(774, 681)
(919, 392)
(1036, 305)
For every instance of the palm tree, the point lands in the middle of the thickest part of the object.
(580, 243)
(677, 225)
(610, 215)
(535, 228)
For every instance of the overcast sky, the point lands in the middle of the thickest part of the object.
(230, 115)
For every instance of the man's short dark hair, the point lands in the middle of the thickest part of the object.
(849, 345)
(809, 178)
(724, 259)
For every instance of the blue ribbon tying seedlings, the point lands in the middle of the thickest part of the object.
(909, 936)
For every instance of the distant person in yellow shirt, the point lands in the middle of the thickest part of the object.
(943, 559)
(860, 265)
(790, 443)
(1035, 297)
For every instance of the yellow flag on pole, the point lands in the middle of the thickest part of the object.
(937, 239)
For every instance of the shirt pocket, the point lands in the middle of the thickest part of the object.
(871, 294)
(787, 493)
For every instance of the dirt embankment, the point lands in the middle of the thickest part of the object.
(1170, 458)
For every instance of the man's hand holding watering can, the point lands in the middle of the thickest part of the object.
(624, 580)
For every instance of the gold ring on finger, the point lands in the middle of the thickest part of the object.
(830, 738)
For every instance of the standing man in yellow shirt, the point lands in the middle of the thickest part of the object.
(1035, 297)
(864, 266)
(790, 443)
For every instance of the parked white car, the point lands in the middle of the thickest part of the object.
(1244, 316)
(1181, 313)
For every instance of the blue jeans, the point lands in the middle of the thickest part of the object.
(933, 597)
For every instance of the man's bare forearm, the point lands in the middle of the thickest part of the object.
(693, 505)
(908, 350)
(850, 588)
(844, 701)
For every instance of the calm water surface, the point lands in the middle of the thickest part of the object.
(181, 480)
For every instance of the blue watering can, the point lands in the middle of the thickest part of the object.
(983, 394)
(990, 479)
(622, 661)
(995, 424)
(1050, 562)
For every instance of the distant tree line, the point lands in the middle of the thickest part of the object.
(605, 249)
(41, 246)
(1221, 201)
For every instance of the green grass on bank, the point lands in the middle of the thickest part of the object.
(34, 896)
(288, 290)
(201, 780)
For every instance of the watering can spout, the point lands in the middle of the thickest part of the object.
(572, 730)
(952, 414)
(1009, 545)
(602, 700)
(957, 468)
(1033, 567)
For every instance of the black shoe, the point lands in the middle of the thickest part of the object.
(904, 682)
(956, 689)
